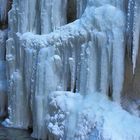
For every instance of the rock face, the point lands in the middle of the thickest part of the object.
(57, 73)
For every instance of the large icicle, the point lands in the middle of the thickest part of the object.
(81, 6)
(55, 13)
(136, 33)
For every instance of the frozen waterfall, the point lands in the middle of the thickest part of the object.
(66, 81)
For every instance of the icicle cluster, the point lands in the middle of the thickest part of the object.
(51, 77)
(81, 6)
(80, 57)
(38, 16)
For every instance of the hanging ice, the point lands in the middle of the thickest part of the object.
(63, 81)
(133, 28)
(3, 9)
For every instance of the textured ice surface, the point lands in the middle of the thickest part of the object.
(97, 118)
(62, 61)
(60, 81)
(38, 17)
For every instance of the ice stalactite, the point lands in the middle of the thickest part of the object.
(3, 9)
(133, 29)
(32, 13)
(136, 33)
(81, 6)
(55, 13)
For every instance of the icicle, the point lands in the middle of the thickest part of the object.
(46, 11)
(81, 5)
(84, 69)
(133, 30)
(136, 34)
(3, 9)
(118, 64)
(3, 89)
(72, 63)
(92, 68)
(18, 103)
(3, 82)
(104, 71)
(59, 13)
(130, 16)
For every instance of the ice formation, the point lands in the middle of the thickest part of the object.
(133, 28)
(28, 16)
(3, 82)
(3, 9)
(96, 119)
(66, 81)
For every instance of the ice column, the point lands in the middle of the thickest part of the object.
(133, 29)
(53, 14)
(38, 17)
(81, 5)
(136, 33)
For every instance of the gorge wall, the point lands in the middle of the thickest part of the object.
(71, 81)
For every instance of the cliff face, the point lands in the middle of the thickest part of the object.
(64, 76)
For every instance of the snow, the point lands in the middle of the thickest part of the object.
(82, 117)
